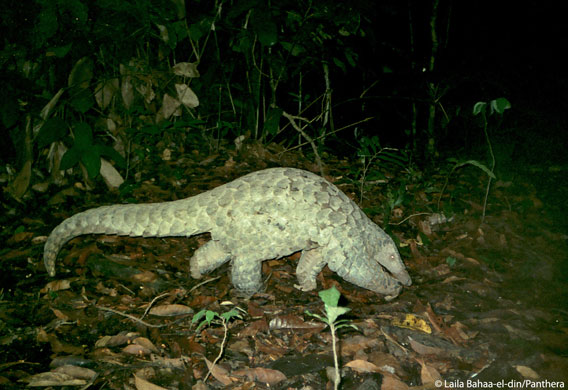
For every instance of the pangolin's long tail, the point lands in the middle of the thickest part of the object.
(148, 220)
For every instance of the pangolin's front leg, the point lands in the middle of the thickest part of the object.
(208, 257)
(310, 264)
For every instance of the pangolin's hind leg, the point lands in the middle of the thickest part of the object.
(207, 258)
(246, 274)
(310, 265)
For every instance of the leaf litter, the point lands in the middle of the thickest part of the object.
(480, 307)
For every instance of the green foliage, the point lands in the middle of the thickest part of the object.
(88, 152)
(496, 106)
(330, 298)
(83, 61)
(208, 316)
(332, 312)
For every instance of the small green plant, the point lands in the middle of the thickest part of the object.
(207, 317)
(330, 298)
(495, 106)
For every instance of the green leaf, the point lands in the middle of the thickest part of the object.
(479, 165)
(110, 153)
(83, 136)
(264, 27)
(70, 159)
(330, 296)
(52, 130)
(230, 314)
(60, 51)
(198, 316)
(479, 107)
(293, 48)
(335, 311)
(82, 101)
(92, 162)
(500, 105)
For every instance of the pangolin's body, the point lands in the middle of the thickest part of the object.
(263, 215)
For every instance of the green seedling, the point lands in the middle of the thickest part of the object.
(208, 317)
(330, 298)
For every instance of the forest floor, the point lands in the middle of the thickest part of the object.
(488, 307)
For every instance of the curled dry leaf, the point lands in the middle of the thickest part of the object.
(362, 366)
(135, 349)
(57, 285)
(45, 379)
(218, 372)
(429, 374)
(264, 375)
(187, 97)
(186, 69)
(76, 372)
(527, 372)
(424, 349)
(146, 343)
(143, 384)
(169, 106)
(392, 383)
(171, 310)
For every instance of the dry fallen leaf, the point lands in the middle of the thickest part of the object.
(527, 372)
(137, 350)
(171, 310)
(362, 366)
(45, 379)
(424, 349)
(218, 372)
(429, 374)
(76, 372)
(142, 384)
(57, 285)
(392, 383)
(264, 375)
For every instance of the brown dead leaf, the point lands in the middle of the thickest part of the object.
(428, 374)
(60, 315)
(46, 379)
(362, 366)
(145, 277)
(146, 343)
(137, 350)
(56, 285)
(392, 383)
(122, 338)
(527, 372)
(76, 372)
(254, 310)
(354, 344)
(218, 372)
(452, 279)
(425, 228)
(19, 237)
(264, 375)
(170, 310)
(424, 349)
(202, 301)
(142, 384)
(254, 328)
